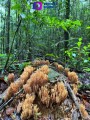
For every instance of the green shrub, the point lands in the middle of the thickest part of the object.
(78, 56)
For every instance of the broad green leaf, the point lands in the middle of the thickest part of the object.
(79, 44)
(23, 15)
(88, 27)
(73, 54)
(77, 22)
(80, 39)
(6, 79)
(16, 7)
(50, 55)
(85, 61)
(85, 47)
(52, 75)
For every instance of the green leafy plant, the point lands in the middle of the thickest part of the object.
(19, 66)
(51, 56)
(2, 59)
(83, 86)
(78, 56)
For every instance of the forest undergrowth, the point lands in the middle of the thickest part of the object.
(44, 91)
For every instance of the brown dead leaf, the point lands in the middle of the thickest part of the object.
(9, 110)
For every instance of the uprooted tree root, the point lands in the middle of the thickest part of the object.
(42, 98)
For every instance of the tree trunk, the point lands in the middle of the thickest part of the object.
(8, 4)
(66, 33)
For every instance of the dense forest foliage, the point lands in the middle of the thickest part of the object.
(61, 31)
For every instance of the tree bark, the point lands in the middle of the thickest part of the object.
(8, 4)
(66, 33)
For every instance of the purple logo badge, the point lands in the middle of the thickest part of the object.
(37, 5)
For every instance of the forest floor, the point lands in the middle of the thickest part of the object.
(84, 77)
(65, 111)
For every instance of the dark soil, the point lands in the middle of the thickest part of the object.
(84, 77)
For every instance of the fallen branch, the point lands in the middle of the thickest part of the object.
(71, 93)
(11, 99)
(74, 98)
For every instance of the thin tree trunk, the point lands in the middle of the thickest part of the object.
(66, 33)
(8, 26)
(12, 45)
